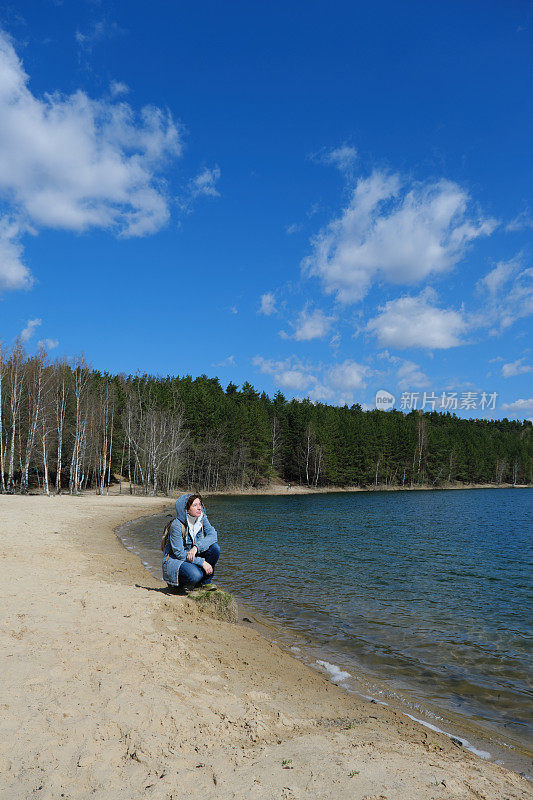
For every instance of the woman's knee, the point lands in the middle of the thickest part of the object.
(212, 554)
(189, 574)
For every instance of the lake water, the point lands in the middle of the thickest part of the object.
(420, 599)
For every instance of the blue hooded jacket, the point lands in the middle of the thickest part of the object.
(178, 545)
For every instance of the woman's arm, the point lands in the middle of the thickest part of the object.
(209, 538)
(178, 548)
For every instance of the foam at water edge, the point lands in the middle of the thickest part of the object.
(466, 744)
(336, 674)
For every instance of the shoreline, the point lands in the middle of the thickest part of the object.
(281, 489)
(113, 687)
(481, 739)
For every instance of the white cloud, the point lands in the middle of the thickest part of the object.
(348, 376)
(343, 158)
(517, 302)
(417, 322)
(520, 222)
(226, 362)
(118, 88)
(340, 382)
(311, 325)
(497, 277)
(268, 304)
(515, 368)
(410, 376)
(29, 330)
(335, 383)
(509, 294)
(520, 406)
(14, 274)
(73, 163)
(289, 374)
(48, 344)
(294, 379)
(398, 232)
(204, 184)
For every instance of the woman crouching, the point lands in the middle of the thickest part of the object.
(190, 549)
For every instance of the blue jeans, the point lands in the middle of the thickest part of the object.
(191, 575)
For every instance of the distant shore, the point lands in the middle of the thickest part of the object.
(283, 488)
(121, 488)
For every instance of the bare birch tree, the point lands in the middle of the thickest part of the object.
(34, 369)
(81, 375)
(61, 375)
(2, 454)
(15, 377)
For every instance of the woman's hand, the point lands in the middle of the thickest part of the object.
(191, 555)
(207, 568)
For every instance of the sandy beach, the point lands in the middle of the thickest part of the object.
(113, 688)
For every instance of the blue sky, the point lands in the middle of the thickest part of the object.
(326, 199)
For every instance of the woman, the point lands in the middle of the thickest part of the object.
(190, 549)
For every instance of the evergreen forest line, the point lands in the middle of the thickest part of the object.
(67, 427)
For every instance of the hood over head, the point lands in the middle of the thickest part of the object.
(181, 507)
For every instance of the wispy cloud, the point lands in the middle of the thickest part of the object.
(494, 280)
(99, 31)
(48, 344)
(30, 328)
(310, 325)
(268, 304)
(343, 158)
(288, 373)
(117, 88)
(390, 229)
(521, 406)
(347, 376)
(508, 290)
(14, 274)
(337, 383)
(521, 222)
(295, 227)
(203, 185)
(226, 362)
(516, 368)
(408, 374)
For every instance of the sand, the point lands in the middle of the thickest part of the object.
(112, 688)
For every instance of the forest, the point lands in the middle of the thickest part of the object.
(65, 427)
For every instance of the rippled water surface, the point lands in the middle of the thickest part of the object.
(429, 591)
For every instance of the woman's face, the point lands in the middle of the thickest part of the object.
(195, 509)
